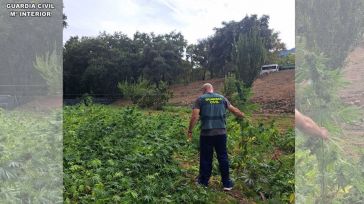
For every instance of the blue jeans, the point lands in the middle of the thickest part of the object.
(207, 146)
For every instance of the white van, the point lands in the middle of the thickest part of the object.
(269, 68)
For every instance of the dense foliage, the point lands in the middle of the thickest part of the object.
(128, 156)
(263, 161)
(30, 157)
(248, 55)
(287, 60)
(333, 32)
(21, 41)
(124, 156)
(50, 68)
(324, 171)
(239, 95)
(220, 47)
(146, 95)
(95, 65)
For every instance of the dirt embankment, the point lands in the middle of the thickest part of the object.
(353, 94)
(274, 92)
(185, 94)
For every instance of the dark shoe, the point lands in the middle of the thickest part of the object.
(228, 186)
(201, 184)
(198, 182)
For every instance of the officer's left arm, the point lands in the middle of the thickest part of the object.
(236, 111)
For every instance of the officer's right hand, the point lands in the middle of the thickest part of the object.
(324, 133)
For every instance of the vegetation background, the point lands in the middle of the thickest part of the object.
(325, 171)
(139, 154)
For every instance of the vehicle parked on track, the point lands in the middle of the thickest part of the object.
(269, 68)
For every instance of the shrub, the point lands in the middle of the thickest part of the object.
(238, 94)
(146, 95)
(49, 67)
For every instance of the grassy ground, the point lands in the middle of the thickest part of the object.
(190, 164)
(283, 122)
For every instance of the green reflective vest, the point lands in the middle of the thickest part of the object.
(212, 111)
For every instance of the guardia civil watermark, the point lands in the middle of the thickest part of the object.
(30, 9)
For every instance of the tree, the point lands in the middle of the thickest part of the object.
(96, 65)
(163, 58)
(197, 55)
(248, 56)
(287, 60)
(334, 37)
(221, 44)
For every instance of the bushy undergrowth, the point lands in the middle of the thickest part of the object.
(262, 161)
(127, 156)
(146, 95)
(30, 157)
(239, 94)
(124, 156)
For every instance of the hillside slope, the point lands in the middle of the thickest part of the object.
(274, 92)
(353, 94)
(186, 94)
